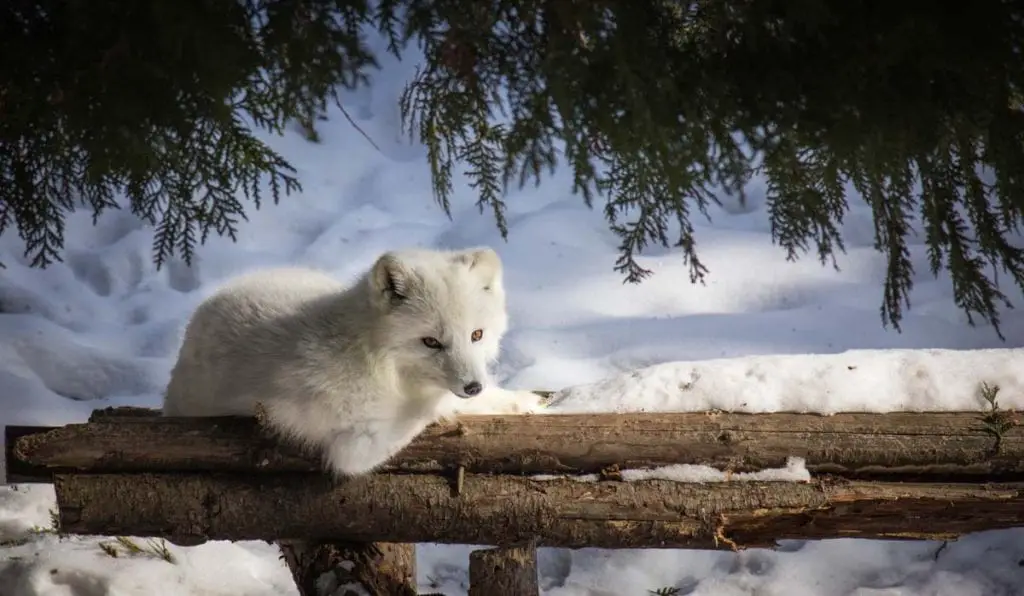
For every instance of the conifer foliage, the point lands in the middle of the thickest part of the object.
(656, 107)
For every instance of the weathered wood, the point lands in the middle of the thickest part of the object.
(509, 510)
(124, 412)
(510, 571)
(17, 470)
(906, 446)
(380, 569)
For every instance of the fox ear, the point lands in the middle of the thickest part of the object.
(391, 281)
(486, 263)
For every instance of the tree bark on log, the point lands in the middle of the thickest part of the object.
(509, 511)
(381, 569)
(894, 446)
(510, 571)
(378, 568)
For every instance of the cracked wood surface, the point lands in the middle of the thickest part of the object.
(510, 511)
(939, 446)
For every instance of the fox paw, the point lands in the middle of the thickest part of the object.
(502, 401)
(526, 402)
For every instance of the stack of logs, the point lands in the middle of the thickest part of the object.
(931, 475)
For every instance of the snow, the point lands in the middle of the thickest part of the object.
(763, 334)
(795, 471)
(851, 381)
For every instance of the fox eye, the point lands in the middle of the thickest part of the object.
(432, 343)
(477, 335)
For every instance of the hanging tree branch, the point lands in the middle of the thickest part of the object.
(655, 107)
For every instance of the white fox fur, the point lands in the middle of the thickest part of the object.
(346, 369)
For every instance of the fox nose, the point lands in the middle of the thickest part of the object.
(473, 388)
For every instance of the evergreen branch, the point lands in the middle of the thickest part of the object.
(653, 106)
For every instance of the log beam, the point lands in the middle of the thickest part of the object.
(510, 511)
(896, 446)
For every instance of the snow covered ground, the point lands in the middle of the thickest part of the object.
(103, 328)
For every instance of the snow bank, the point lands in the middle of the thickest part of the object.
(852, 381)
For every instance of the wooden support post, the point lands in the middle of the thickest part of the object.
(380, 569)
(508, 571)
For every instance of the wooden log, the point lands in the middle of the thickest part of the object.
(509, 510)
(508, 571)
(895, 446)
(379, 569)
(18, 471)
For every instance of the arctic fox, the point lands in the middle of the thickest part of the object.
(354, 371)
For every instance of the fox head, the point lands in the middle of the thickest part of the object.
(442, 315)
